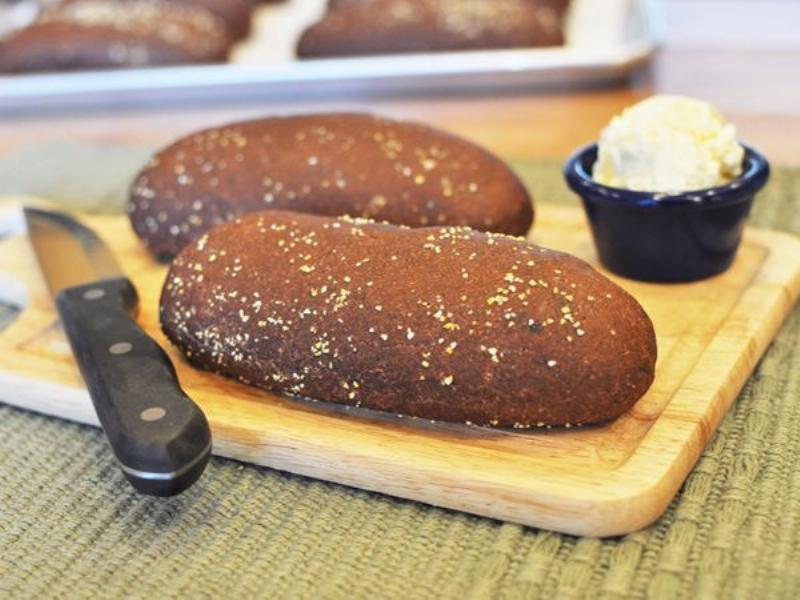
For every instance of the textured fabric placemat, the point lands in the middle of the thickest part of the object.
(70, 527)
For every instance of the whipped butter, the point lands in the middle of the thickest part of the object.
(668, 144)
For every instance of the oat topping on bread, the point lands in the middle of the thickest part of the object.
(353, 27)
(439, 323)
(101, 34)
(327, 164)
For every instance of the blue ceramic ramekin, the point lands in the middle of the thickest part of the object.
(666, 237)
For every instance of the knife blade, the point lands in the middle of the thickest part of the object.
(159, 436)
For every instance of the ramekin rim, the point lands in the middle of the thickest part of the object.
(747, 184)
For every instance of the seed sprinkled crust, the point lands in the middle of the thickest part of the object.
(234, 13)
(436, 349)
(92, 34)
(352, 27)
(327, 164)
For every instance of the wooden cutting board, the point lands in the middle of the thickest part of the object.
(605, 480)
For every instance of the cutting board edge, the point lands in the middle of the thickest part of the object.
(595, 511)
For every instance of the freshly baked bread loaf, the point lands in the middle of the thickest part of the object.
(352, 27)
(329, 164)
(439, 323)
(234, 13)
(92, 34)
(560, 6)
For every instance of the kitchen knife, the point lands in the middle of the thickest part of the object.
(158, 434)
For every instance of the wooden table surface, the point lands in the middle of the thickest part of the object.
(743, 56)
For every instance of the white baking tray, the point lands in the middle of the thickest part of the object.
(606, 40)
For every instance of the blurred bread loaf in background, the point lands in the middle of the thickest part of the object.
(353, 27)
(234, 13)
(98, 34)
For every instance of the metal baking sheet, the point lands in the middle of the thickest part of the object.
(606, 40)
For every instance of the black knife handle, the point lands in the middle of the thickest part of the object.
(159, 435)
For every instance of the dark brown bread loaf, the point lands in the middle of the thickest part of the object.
(352, 27)
(560, 6)
(95, 34)
(234, 13)
(332, 164)
(439, 323)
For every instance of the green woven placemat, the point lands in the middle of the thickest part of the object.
(70, 526)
